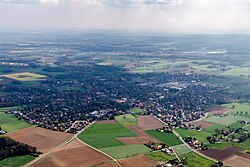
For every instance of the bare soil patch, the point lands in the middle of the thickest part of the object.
(237, 161)
(106, 122)
(148, 122)
(224, 153)
(138, 161)
(203, 124)
(218, 110)
(43, 139)
(75, 154)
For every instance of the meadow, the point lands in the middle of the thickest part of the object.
(241, 109)
(25, 76)
(226, 120)
(119, 152)
(170, 139)
(9, 123)
(181, 149)
(201, 136)
(126, 120)
(211, 129)
(137, 111)
(16, 161)
(160, 156)
(105, 135)
(195, 160)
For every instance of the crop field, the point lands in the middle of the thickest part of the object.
(247, 128)
(16, 161)
(236, 125)
(43, 139)
(237, 71)
(199, 135)
(126, 120)
(170, 139)
(181, 149)
(119, 152)
(138, 161)
(211, 129)
(105, 135)
(10, 123)
(241, 109)
(195, 160)
(202, 124)
(148, 122)
(160, 156)
(75, 154)
(237, 161)
(245, 145)
(25, 76)
(226, 120)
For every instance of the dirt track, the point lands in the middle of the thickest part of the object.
(75, 154)
(138, 161)
(148, 122)
(43, 139)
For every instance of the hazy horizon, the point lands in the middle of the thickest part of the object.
(163, 16)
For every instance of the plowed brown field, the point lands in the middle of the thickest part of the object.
(148, 122)
(138, 161)
(75, 154)
(43, 139)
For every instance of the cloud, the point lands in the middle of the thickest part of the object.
(49, 1)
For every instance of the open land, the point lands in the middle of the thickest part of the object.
(218, 110)
(75, 154)
(25, 76)
(148, 122)
(237, 161)
(43, 139)
(202, 124)
(138, 161)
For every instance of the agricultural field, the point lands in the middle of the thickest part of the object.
(75, 154)
(126, 120)
(236, 125)
(9, 123)
(16, 161)
(170, 139)
(119, 152)
(160, 156)
(226, 120)
(181, 149)
(25, 76)
(137, 161)
(241, 109)
(195, 160)
(148, 122)
(245, 145)
(201, 136)
(211, 129)
(247, 128)
(103, 135)
(43, 139)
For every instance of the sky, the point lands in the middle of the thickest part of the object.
(169, 16)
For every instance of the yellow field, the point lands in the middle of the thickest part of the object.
(25, 76)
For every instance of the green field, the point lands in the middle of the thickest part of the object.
(226, 120)
(245, 145)
(104, 135)
(170, 139)
(236, 125)
(244, 107)
(137, 111)
(126, 120)
(211, 129)
(125, 151)
(16, 161)
(160, 156)
(201, 136)
(247, 128)
(25, 76)
(10, 123)
(181, 149)
(195, 160)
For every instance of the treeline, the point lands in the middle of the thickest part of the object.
(10, 148)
